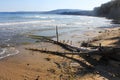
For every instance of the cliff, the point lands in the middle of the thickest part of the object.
(109, 10)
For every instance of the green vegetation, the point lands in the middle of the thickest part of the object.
(109, 10)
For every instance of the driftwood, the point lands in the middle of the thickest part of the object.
(57, 53)
(106, 52)
(92, 56)
(65, 46)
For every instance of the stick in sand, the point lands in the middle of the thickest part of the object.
(57, 34)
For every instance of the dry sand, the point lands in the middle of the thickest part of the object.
(30, 65)
(110, 37)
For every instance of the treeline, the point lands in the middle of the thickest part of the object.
(109, 10)
(88, 13)
(71, 12)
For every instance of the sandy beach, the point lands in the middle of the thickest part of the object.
(32, 65)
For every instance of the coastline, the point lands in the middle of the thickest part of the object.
(30, 65)
(110, 37)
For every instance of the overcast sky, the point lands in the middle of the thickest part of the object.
(46, 5)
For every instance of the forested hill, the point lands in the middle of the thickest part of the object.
(109, 10)
(71, 12)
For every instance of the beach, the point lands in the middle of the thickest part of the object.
(34, 65)
(60, 40)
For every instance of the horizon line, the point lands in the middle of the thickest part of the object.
(45, 10)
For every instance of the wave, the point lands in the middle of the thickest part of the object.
(28, 22)
(8, 52)
(3, 51)
(36, 16)
(23, 16)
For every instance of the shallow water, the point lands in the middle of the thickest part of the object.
(5, 52)
(14, 27)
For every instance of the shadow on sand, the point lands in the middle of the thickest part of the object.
(101, 67)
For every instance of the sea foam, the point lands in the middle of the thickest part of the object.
(5, 52)
(28, 22)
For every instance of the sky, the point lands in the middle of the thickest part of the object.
(46, 5)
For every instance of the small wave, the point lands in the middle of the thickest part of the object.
(36, 16)
(8, 52)
(81, 23)
(3, 51)
(7, 40)
(29, 22)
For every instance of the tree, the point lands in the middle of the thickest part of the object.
(110, 9)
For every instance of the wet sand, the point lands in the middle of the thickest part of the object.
(31, 65)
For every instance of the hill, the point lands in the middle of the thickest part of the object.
(71, 12)
(109, 10)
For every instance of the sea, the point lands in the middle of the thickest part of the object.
(14, 26)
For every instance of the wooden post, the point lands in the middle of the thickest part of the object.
(57, 34)
(100, 47)
(70, 42)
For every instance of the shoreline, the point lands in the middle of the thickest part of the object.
(30, 65)
(110, 37)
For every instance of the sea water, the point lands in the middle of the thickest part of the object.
(14, 25)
